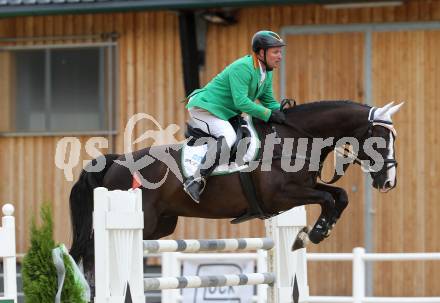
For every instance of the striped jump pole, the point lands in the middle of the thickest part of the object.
(208, 281)
(8, 254)
(244, 244)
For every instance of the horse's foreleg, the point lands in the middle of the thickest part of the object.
(341, 201)
(324, 224)
(296, 195)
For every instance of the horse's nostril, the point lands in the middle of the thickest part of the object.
(388, 184)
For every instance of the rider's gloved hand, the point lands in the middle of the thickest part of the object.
(277, 116)
(287, 103)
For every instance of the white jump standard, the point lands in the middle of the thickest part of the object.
(8, 254)
(119, 251)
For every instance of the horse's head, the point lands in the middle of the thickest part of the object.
(379, 147)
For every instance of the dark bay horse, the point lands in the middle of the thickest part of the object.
(279, 190)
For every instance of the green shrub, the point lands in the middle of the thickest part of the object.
(38, 271)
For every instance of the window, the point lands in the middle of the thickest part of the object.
(58, 89)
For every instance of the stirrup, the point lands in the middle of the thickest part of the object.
(194, 193)
(198, 179)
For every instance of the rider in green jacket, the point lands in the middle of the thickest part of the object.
(232, 92)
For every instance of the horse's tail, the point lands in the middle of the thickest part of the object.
(81, 208)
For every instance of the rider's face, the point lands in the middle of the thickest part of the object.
(273, 56)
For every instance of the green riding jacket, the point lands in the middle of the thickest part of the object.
(234, 91)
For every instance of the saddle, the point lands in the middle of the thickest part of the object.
(193, 154)
(193, 133)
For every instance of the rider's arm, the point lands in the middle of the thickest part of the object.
(267, 98)
(240, 77)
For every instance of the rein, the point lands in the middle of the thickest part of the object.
(345, 166)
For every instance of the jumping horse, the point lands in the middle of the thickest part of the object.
(277, 189)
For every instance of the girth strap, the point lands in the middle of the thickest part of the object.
(256, 207)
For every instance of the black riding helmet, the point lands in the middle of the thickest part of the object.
(266, 39)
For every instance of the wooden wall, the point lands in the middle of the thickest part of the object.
(405, 218)
(27, 164)
(403, 68)
(150, 80)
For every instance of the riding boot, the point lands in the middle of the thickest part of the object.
(195, 185)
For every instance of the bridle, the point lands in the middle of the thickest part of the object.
(365, 134)
(388, 162)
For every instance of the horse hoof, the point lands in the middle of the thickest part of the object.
(302, 239)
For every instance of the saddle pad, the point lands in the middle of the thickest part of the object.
(192, 155)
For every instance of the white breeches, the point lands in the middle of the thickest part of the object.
(213, 125)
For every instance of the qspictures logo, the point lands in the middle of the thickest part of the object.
(307, 152)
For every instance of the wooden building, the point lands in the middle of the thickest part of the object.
(368, 54)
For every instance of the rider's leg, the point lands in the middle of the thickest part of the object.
(195, 185)
(213, 125)
(225, 134)
(212, 158)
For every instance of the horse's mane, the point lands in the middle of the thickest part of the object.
(323, 104)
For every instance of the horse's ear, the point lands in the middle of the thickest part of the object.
(382, 112)
(386, 107)
(395, 108)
